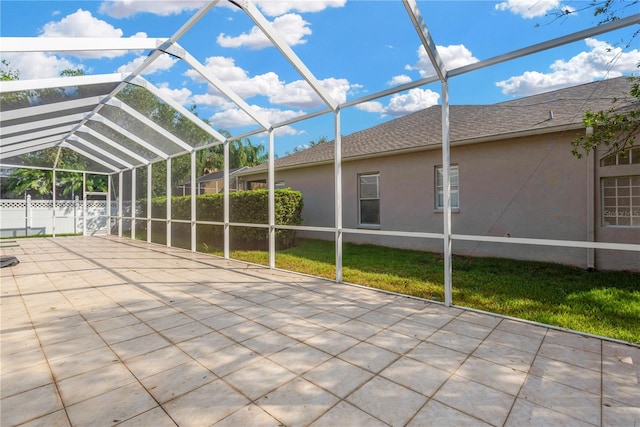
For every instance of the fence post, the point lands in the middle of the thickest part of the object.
(27, 219)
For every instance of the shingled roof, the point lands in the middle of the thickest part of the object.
(547, 112)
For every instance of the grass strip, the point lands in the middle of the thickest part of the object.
(605, 303)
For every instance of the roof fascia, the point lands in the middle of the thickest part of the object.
(114, 102)
(111, 143)
(425, 37)
(89, 156)
(37, 110)
(279, 42)
(131, 136)
(457, 143)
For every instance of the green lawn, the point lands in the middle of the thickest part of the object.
(601, 303)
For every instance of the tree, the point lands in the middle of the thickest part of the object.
(614, 129)
(321, 140)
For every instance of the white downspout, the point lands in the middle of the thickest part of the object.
(591, 166)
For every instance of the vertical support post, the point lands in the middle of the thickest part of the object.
(168, 192)
(194, 227)
(53, 210)
(134, 203)
(120, 201)
(149, 204)
(271, 182)
(108, 209)
(76, 201)
(446, 176)
(226, 199)
(591, 166)
(84, 203)
(338, 195)
(28, 219)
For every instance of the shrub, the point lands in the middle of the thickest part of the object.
(250, 207)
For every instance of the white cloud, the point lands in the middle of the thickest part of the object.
(398, 80)
(128, 8)
(403, 103)
(82, 23)
(371, 107)
(213, 99)
(414, 100)
(181, 96)
(235, 117)
(453, 56)
(297, 94)
(291, 26)
(238, 79)
(602, 61)
(279, 7)
(162, 63)
(528, 8)
(38, 65)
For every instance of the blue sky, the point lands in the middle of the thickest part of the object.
(353, 47)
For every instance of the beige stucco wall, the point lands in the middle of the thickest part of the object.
(531, 187)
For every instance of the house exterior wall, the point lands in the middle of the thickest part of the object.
(531, 187)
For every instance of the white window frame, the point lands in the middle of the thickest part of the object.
(611, 211)
(627, 157)
(438, 188)
(368, 198)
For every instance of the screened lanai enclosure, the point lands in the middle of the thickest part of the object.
(125, 153)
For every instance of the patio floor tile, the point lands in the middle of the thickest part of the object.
(259, 378)
(206, 405)
(387, 401)
(475, 399)
(29, 405)
(297, 403)
(164, 336)
(338, 376)
(436, 414)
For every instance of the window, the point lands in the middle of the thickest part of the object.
(627, 157)
(621, 201)
(439, 187)
(369, 199)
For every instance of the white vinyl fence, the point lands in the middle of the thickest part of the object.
(26, 217)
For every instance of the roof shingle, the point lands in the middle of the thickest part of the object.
(551, 110)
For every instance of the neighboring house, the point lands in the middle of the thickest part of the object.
(212, 183)
(513, 174)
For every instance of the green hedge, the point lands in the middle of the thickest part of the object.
(245, 207)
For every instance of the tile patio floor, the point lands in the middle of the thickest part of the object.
(103, 331)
